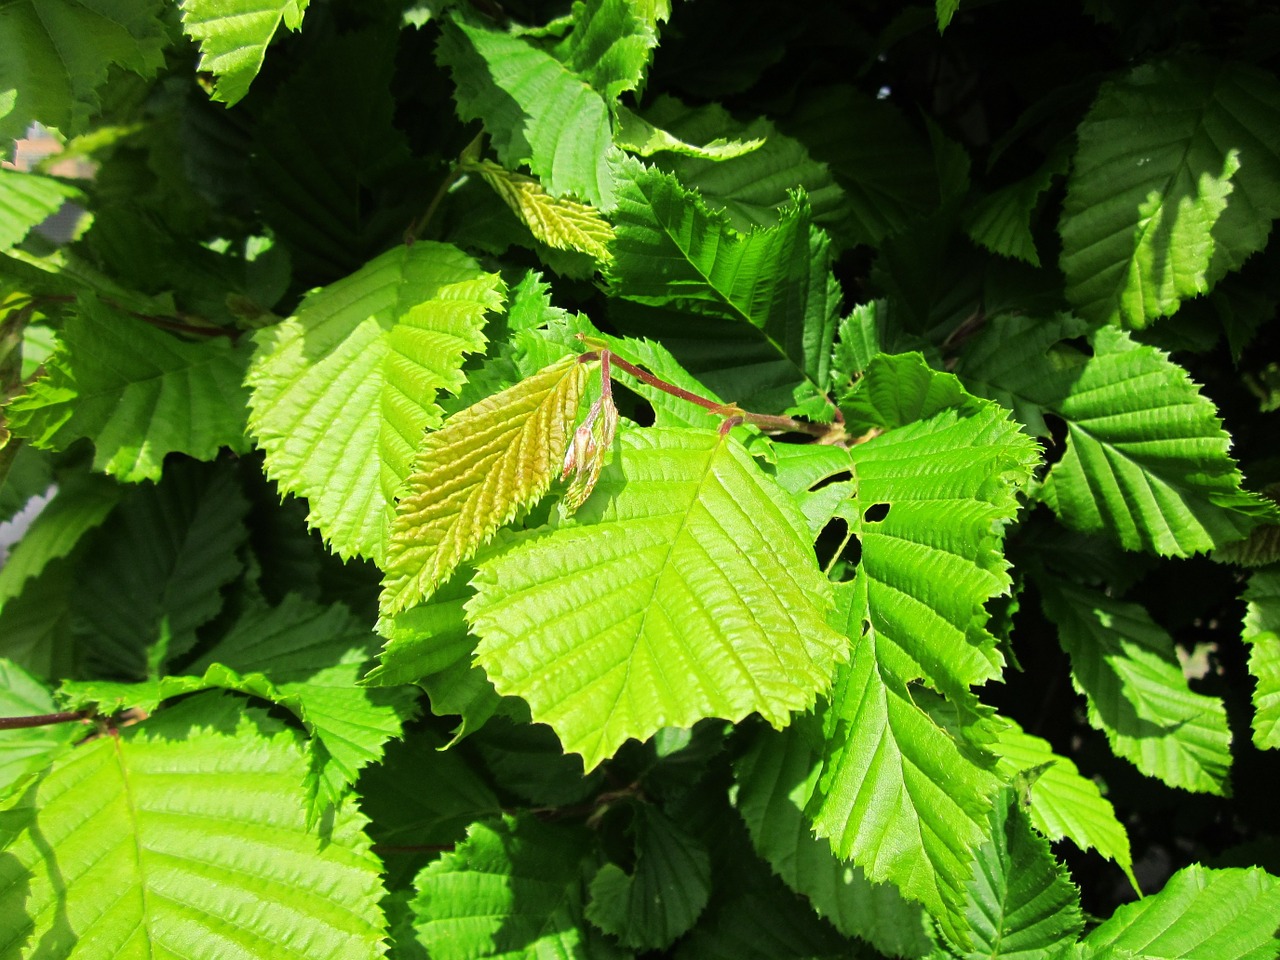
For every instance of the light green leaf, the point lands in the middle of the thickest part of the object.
(426, 638)
(898, 795)
(185, 837)
(26, 199)
(610, 45)
(1146, 455)
(766, 302)
(1201, 914)
(1125, 665)
(342, 390)
(1062, 802)
(1175, 183)
(82, 502)
(556, 221)
(139, 393)
(638, 135)
(776, 779)
(233, 37)
(663, 895)
(513, 889)
(472, 477)
(1262, 634)
(1021, 902)
(536, 111)
(55, 55)
(25, 752)
(684, 588)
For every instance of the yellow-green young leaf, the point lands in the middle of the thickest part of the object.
(475, 474)
(557, 221)
(233, 37)
(343, 389)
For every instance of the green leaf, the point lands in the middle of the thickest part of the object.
(426, 638)
(233, 38)
(610, 45)
(776, 779)
(536, 111)
(342, 390)
(1125, 665)
(662, 897)
(513, 889)
(185, 836)
(82, 503)
(1262, 634)
(137, 392)
(1201, 914)
(638, 135)
(25, 752)
(770, 290)
(26, 199)
(558, 222)
(473, 476)
(684, 588)
(1062, 803)
(1021, 902)
(1001, 222)
(1146, 455)
(55, 56)
(1175, 184)
(946, 9)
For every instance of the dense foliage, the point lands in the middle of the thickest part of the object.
(639, 477)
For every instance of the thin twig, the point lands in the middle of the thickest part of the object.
(43, 720)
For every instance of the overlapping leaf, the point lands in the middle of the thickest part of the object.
(609, 46)
(1125, 665)
(25, 201)
(556, 221)
(473, 476)
(139, 393)
(684, 588)
(765, 302)
(233, 37)
(1175, 183)
(1001, 222)
(185, 837)
(1262, 634)
(342, 391)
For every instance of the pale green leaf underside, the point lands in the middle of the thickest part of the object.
(684, 588)
(26, 199)
(1021, 902)
(637, 135)
(174, 840)
(138, 392)
(1147, 458)
(1262, 634)
(1175, 183)
(233, 37)
(1125, 665)
(1063, 803)
(775, 782)
(474, 475)
(342, 390)
(1201, 914)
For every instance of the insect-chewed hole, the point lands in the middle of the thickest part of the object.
(842, 477)
(830, 540)
(876, 512)
(847, 567)
(866, 627)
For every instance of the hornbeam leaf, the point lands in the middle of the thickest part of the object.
(138, 392)
(1201, 914)
(610, 45)
(683, 588)
(1175, 183)
(1062, 802)
(1125, 666)
(637, 135)
(535, 110)
(184, 836)
(25, 201)
(558, 222)
(233, 37)
(1146, 455)
(475, 474)
(342, 390)
(1262, 634)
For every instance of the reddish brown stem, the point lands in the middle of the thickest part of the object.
(42, 720)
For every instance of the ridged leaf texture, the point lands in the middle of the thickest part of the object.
(137, 392)
(1126, 667)
(684, 588)
(609, 46)
(184, 837)
(233, 37)
(26, 199)
(765, 302)
(1201, 914)
(1175, 182)
(558, 222)
(342, 390)
(475, 474)
(1262, 634)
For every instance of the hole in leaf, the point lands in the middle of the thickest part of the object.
(876, 512)
(866, 627)
(846, 568)
(1080, 345)
(1057, 444)
(830, 540)
(842, 477)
